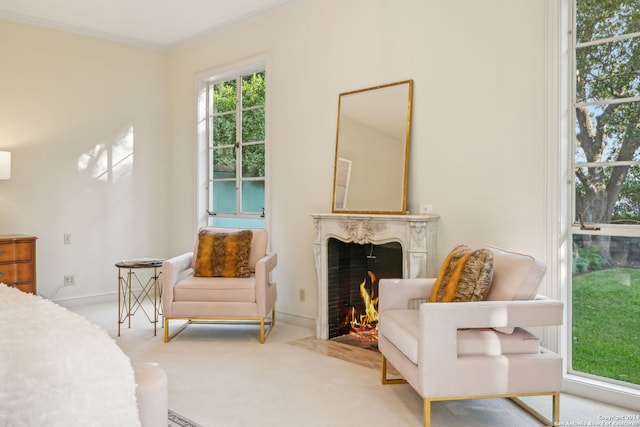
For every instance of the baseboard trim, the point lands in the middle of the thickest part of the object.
(297, 320)
(86, 300)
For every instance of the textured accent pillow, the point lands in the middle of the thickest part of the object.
(222, 254)
(465, 275)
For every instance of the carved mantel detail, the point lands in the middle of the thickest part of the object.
(361, 230)
(417, 235)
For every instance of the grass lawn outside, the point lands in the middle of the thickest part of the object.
(606, 324)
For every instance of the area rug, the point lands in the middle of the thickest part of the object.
(176, 420)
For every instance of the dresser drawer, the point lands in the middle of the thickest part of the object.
(19, 251)
(18, 261)
(14, 273)
(28, 287)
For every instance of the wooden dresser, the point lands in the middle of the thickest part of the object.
(18, 261)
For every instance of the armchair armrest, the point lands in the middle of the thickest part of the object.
(540, 311)
(263, 269)
(171, 269)
(439, 322)
(396, 293)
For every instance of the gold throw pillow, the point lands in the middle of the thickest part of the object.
(223, 254)
(465, 275)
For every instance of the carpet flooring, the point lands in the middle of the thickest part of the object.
(220, 375)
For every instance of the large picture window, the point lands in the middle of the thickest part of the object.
(235, 133)
(605, 286)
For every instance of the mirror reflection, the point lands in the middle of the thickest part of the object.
(372, 149)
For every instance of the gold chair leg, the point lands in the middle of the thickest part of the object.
(556, 408)
(555, 418)
(273, 315)
(262, 331)
(168, 337)
(386, 380)
(427, 412)
(384, 370)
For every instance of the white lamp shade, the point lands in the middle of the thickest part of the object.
(5, 165)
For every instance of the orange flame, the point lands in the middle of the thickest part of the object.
(368, 320)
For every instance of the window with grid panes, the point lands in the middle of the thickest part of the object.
(236, 151)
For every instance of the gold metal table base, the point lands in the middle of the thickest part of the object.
(132, 297)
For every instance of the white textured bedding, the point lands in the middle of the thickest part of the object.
(58, 369)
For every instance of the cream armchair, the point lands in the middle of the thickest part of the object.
(451, 351)
(220, 299)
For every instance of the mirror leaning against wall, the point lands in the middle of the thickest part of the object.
(372, 149)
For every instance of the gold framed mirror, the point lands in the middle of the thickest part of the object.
(372, 149)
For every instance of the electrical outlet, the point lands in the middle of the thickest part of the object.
(67, 238)
(302, 295)
(426, 208)
(69, 280)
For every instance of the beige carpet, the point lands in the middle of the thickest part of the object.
(222, 376)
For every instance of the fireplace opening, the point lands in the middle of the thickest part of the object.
(353, 273)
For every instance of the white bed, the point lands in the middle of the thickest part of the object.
(58, 369)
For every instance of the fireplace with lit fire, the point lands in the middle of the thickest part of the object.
(352, 252)
(353, 274)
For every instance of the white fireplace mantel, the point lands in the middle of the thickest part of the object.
(417, 235)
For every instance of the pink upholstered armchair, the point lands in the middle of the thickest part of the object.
(220, 299)
(451, 351)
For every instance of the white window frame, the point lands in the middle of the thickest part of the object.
(560, 72)
(203, 174)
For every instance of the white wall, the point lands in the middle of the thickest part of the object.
(478, 137)
(68, 102)
(86, 122)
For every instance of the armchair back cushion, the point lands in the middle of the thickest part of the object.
(515, 276)
(258, 244)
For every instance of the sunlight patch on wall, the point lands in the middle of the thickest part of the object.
(110, 161)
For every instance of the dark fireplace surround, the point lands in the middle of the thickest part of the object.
(353, 267)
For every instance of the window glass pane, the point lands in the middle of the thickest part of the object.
(605, 295)
(223, 194)
(598, 19)
(595, 187)
(224, 96)
(224, 129)
(608, 71)
(253, 125)
(253, 90)
(252, 196)
(253, 161)
(236, 222)
(607, 133)
(224, 163)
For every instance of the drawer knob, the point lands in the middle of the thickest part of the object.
(2, 252)
(1, 273)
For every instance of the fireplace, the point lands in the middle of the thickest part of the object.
(352, 296)
(409, 239)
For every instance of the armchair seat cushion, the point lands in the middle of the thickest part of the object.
(216, 289)
(402, 329)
